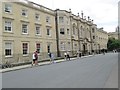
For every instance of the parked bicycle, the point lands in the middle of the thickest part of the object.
(7, 65)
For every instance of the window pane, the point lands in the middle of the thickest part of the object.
(24, 12)
(48, 31)
(24, 28)
(8, 48)
(48, 47)
(25, 48)
(62, 31)
(61, 19)
(38, 47)
(8, 8)
(37, 16)
(8, 52)
(38, 30)
(8, 26)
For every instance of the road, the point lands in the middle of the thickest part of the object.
(99, 71)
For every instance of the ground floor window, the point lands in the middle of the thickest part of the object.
(38, 47)
(25, 48)
(8, 48)
(48, 48)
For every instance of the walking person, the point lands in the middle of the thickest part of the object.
(36, 58)
(65, 55)
(33, 58)
(49, 54)
(68, 56)
(52, 58)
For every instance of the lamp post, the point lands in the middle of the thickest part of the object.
(118, 33)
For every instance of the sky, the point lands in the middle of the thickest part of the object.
(103, 12)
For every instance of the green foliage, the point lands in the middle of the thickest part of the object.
(113, 44)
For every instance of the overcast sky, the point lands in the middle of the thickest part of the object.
(103, 12)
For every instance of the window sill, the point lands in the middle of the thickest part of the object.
(9, 56)
(26, 55)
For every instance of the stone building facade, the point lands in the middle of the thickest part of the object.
(27, 27)
(101, 39)
(74, 33)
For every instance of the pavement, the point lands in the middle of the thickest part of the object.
(112, 81)
(39, 64)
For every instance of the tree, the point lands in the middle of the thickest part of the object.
(113, 44)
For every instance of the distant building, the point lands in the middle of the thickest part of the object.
(113, 35)
(101, 39)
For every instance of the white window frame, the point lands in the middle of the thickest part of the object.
(8, 47)
(47, 19)
(24, 12)
(27, 48)
(37, 17)
(8, 8)
(62, 31)
(38, 30)
(68, 46)
(62, 46)
(48, 31)
(7, 25)
(23, 29)
(61, 19)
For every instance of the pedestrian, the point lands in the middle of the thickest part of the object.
(49, 54)
(35, 58)
(78, 53)
(103, 50)
(52, 58)
(68, 56)
(65, 55)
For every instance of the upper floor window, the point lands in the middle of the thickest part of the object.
(37, 30)
(24, 12)
(61, 19)
(48, 31)
(24, 28)
(62, 46)
(37, 17)
(8, 8)
(8, 26)
(68, 31)
(93, 37)
(62, 31)
(74, 30)
(93, 30)
(47, 19)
